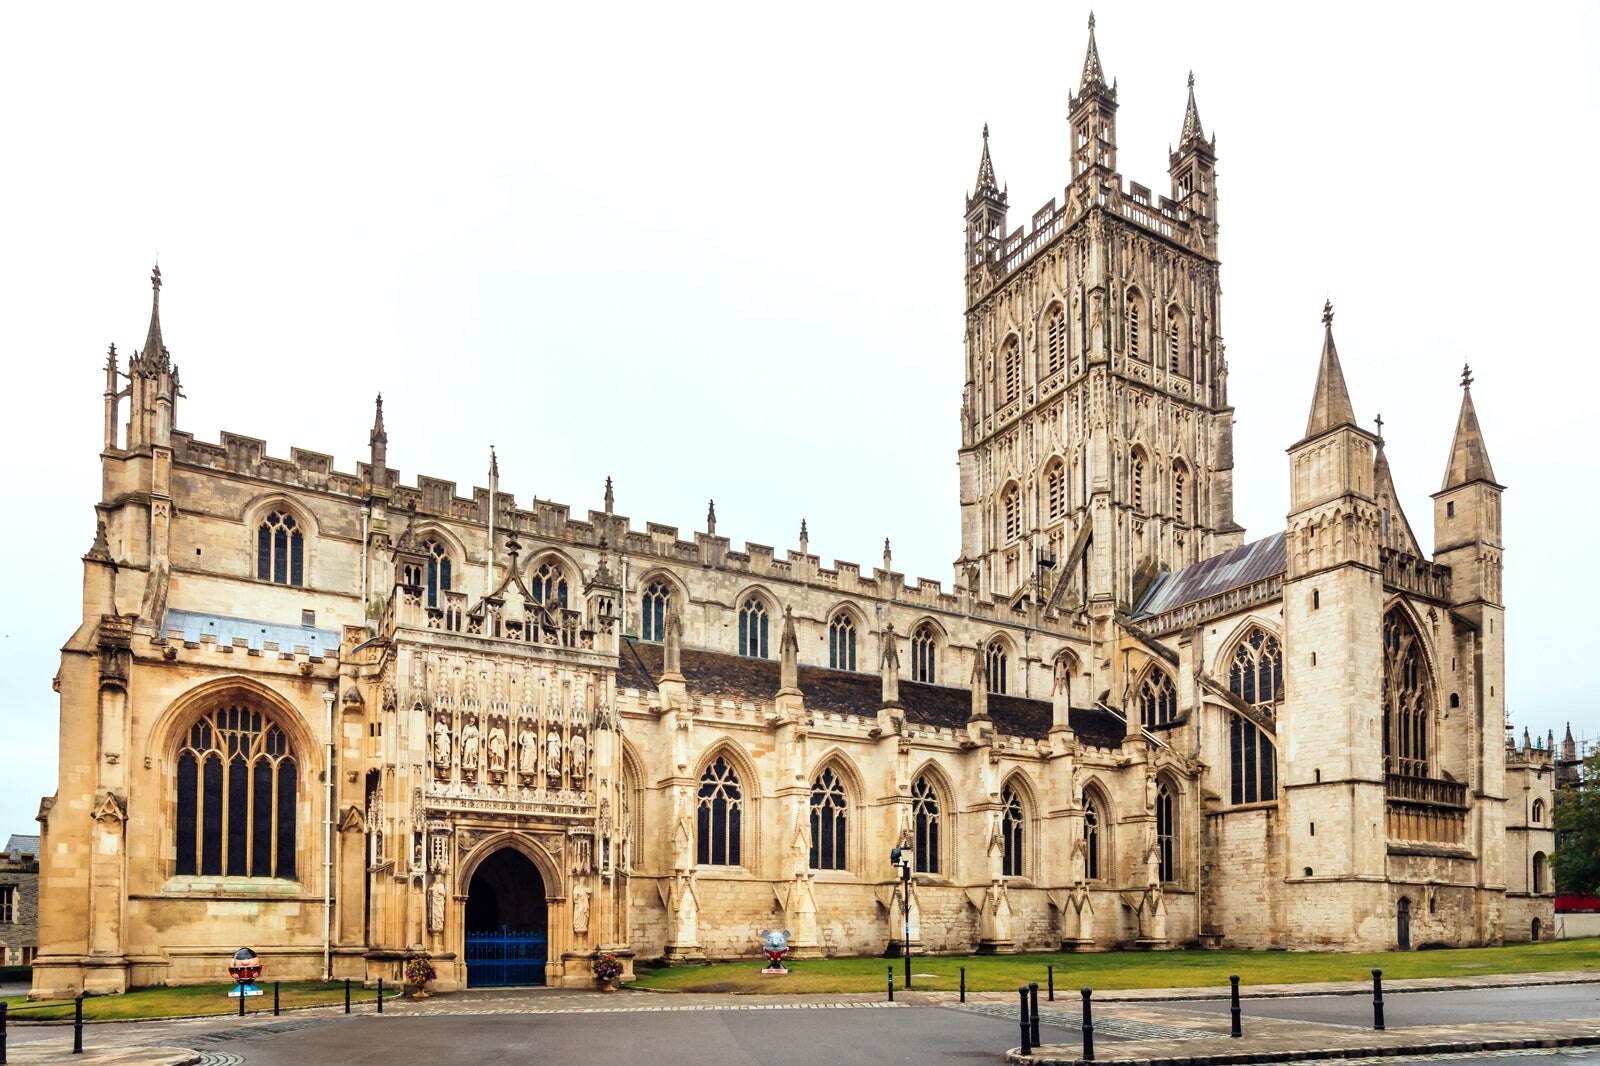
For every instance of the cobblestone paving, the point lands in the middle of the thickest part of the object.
(1114, 1028)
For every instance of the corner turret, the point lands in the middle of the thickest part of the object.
(986, 213)
(1193, 168)
(1092, 112)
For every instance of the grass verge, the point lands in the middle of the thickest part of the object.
(189, 1001)
(1105, 971)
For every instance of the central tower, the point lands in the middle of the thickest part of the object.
(1096, 436)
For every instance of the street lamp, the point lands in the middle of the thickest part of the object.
(901, 857)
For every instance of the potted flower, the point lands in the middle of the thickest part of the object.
(607, 968)
(419, 971)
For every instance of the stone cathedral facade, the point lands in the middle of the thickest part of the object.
(343, 718)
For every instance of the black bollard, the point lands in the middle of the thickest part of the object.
(347, 995)
(1377, 999)
(380, 995)
(1234, 980)
(274, 999)
(1022, 1019)
(77, 1025)
(1033, 1011)
(891, 984)
(1088, 1027)
(1050, 976)
(241, 999)
(963, 984)
(2, 1034)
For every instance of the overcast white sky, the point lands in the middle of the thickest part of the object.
(715, 251)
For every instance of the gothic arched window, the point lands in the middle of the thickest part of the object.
(1407, 698)
(926, 817)
(1167, 833)
(924, 650)
(753, 629)
(1135, 317)
(1538, 811)
(237, 796)
(1055, 339)
(1180, 479)
(1158, 699)
(1011, 508)
(1136, 480)
(653, 610)
(1091, 839)
(994, 662)
(1011, 836)
(1175, 341)
(1055, 489)
(720, 807)
(1252, 760)
(842, 642)
(1011, 369)
(828, 822)
(548, 584)
(1256, 675)
(280, 550)
(437, 578)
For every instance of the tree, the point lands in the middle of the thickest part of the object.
(1577, 817)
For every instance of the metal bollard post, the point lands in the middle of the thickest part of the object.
(241, 999)
(963, 984)
(274, 999)
(891, 984)
(347, 995)
(1088, 1027)
(1033, 1011)
(1050, 976)
(1234, 980)
(2, 1034)
(380, 995)
(1377, 999)
(77, 1025)
(1022, 1019)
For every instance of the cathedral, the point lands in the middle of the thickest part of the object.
(345, 719)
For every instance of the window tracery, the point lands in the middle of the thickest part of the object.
(1011, 864)
(1055, 489)
(280, 550)
(1166, 833)
(842, 642)
(924, 649)
(1407, 698)
(926, 818)
(653, 611)
(753, 629)
(994, 658)
(237, 792)
(1055, 339)
(548, 583)
(1158, 699)
(721, 807)
(1091, 839)
(829, 811)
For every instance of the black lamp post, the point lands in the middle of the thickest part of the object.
(901, 857)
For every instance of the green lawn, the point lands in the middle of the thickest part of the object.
(1112, 970)
(186, 1001)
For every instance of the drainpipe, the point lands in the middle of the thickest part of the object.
(366, 513)
(327, 845)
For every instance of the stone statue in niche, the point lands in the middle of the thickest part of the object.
(469, 746)
(497, 749)
(441, 744)
(436, 906)
(578, 757)
(527, 750)
(580, 907)
(552, 758)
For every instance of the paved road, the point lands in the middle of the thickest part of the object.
(1401, 1009)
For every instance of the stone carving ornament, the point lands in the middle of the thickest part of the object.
(497, 749)
(528, 750)
(436, 901)
(552, 763)
(441, 744)
(469, 746)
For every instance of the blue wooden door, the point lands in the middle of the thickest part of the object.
(503, 957)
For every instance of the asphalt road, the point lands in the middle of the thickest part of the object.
(1401, 1009)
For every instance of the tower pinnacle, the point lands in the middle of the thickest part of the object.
(1330, 403)
(1093, 76)
(1192, 130)
(1469, 457)
(155, 351)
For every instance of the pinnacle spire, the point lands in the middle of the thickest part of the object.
(494, 464)
(711, 518)
(1330, 403)
(986, 183)
(379, 435)
(1093, 76)
(610, 496)
(1192, 130)
(154, 350)
(1469, 458)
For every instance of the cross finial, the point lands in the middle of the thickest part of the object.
(1379, 420)
(1091, 22)
(985, 131)
(155, 277)
(1327, 312)
(1191, 79)
(1466, 375)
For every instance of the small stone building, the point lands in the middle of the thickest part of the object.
(19, 901)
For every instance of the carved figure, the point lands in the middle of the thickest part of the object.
(469, 746)
(552, 757)
(497, 749)
(580, 907)
(578, 755)
(528, 751)
(441, 743)
(436, 906)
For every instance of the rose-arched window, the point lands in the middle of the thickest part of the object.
(927, 817)
(548, 583)
(238, 791)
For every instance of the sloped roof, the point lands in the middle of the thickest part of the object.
(191, 625)
(735, 677)
(20, 845)
(1244, 565)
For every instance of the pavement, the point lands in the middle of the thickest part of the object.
(1133, 1027)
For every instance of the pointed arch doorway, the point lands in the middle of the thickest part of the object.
(507, 922)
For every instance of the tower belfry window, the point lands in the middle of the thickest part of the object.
(753, 629)
(1055, 488)
(280, 550)
(1011, 363)
(1011, 505)
(1055, 339)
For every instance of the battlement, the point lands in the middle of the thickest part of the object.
(440, 498)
